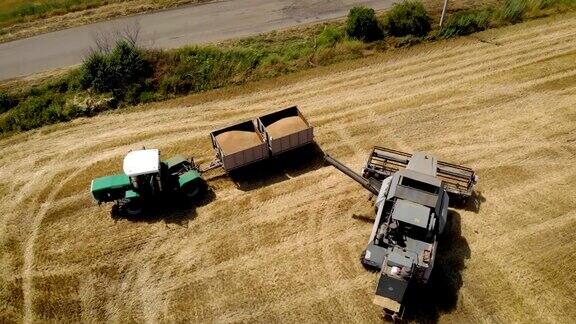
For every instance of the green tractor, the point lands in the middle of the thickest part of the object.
(146, 178)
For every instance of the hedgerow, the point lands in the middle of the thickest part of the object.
(127, 75)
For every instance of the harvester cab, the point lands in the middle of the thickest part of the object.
(411, 212)
(147, 178)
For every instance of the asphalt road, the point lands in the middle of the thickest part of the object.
(196, 24)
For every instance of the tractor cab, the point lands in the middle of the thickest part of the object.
(143, 169)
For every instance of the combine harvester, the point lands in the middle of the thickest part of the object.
(411, 213)
(147, 179)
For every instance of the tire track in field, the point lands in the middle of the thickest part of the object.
(28, 266)
(29, 244)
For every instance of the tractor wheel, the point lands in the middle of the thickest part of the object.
(194, 190)
(132, 207)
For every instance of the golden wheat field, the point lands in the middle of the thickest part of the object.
(280, 243)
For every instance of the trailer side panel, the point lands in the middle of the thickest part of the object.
(290, 138)
(235, 160)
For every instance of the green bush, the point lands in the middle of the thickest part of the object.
(465, 23)
(34, 112)
(407, 18)
(147, 96)
(512, 11)
(296, 50)
(362, 24)
(94, 70)
(74, 80)
(115, 71)
(543, 4)
(330, 36)
(6, 102)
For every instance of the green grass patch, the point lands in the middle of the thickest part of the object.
(18, 11)
(330, 36)
(561, 4)
(512, 11)
(466, 22)
(469, 21)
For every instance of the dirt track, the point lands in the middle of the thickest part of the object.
(284, 245)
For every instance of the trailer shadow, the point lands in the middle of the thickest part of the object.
(426, 304)
(176, 210)
(279, 168)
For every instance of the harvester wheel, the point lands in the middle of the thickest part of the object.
(392, 316)
(365, 265)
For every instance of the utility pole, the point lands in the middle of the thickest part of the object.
(443, 12)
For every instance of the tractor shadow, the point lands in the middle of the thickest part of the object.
(279, 168)
(175, 210)
(426, 304)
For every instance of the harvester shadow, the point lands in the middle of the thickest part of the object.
(364, 218)
(426, 304)
(473, 203)
(176, 210)
(279, 168)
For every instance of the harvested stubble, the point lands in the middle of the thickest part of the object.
(287, 250)
(235, 141)
(286, 126)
